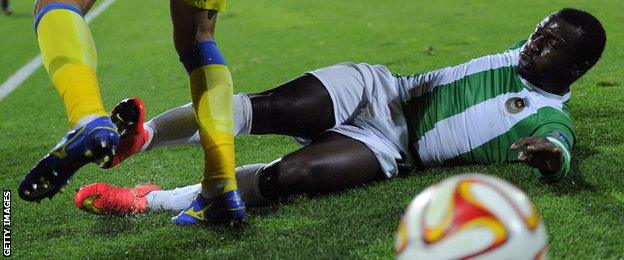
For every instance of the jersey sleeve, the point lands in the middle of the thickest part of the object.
(561, 135)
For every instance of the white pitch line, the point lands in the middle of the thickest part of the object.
(29, 68)
(19, 76)
(98, 10)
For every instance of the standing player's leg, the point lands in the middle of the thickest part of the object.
(211, 92)
(70, 58)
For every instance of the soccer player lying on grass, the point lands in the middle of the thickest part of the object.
(359, 122)
(69, 56)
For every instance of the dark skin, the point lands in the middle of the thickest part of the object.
(331, 162)
(334, 162)
(302, 107)
(548, 61)
(539, 153)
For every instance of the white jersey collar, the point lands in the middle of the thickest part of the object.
(561, 98)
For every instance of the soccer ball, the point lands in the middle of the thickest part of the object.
(471, 216)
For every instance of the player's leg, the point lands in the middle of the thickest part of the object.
(301, 107)
(5, 7)
(105, 198)
(331, 163)
(71, 62)
(173, 127)
(211, 92)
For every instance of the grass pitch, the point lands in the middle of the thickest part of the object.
(266, 43)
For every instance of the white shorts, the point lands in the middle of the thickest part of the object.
(367, 108)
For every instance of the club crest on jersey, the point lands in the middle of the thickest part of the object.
(515, 105)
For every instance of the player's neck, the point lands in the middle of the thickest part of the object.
(556, 91)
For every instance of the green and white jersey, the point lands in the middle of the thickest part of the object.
(474, 112)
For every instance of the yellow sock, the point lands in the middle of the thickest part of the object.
(211, 92)
(70, 58)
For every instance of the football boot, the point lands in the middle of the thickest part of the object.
(229, 209)
(103, 198)
(129, 116)
(94, 142)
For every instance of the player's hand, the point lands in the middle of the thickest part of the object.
(539, 153)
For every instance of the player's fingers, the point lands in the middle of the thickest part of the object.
(540, 146)
(524, 157)
(543, 147)
(520, 143)
(536, 147)
(557, 151)
(517, 144)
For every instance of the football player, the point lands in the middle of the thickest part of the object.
(69, 57)
(6, 10)
(359, 122)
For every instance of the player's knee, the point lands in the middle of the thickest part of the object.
(83, 5)
(303, 174)
(203, 36)
(205, 25)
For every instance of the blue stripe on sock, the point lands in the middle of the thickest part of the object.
(52, 6)
(201, 54)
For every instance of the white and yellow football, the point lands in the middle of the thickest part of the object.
(471, 216)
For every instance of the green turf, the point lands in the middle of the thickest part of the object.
(268, 42)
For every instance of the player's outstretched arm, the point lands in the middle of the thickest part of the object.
(549, 156)
(539, 153)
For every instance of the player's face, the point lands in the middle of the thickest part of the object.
(547, 60)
